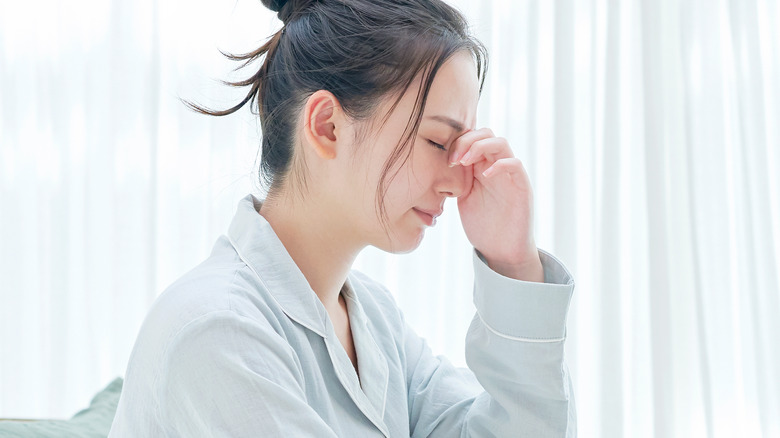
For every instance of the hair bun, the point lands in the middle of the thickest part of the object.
(274, 5)
(285, 9)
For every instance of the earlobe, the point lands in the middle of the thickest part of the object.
(322, 115)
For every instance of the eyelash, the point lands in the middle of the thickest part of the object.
(437, 145)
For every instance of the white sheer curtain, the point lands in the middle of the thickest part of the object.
(649, 130)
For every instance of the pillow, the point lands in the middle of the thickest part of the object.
(94, 421)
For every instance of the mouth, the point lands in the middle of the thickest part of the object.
(427, 218)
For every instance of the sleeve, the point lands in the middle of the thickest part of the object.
(227, 375)
(517, 383)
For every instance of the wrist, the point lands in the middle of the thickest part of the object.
(528, 269)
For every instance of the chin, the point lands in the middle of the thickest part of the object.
(402, 244)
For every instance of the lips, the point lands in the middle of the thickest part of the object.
(428, 216)
(432, 213)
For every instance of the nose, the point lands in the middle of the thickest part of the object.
(454, 181)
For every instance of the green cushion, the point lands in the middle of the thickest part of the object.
(94, 421)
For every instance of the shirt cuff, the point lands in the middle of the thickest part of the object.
(524, 309)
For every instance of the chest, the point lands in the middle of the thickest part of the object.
(362, 406)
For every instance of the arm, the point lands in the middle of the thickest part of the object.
(228, 375)
(520, 384)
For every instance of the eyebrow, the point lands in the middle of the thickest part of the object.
(452, 123)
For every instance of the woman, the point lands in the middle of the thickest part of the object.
(368, 112)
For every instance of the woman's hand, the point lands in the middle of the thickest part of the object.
(497, 213)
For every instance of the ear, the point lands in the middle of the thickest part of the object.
(323, 120)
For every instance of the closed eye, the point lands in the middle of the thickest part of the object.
(437, 145)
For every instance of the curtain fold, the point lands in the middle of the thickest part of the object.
(649, 130)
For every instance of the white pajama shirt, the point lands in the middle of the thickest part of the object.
(240, 346)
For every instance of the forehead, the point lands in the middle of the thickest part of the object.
(454, 92)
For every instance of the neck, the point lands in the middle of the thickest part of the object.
(316, 238)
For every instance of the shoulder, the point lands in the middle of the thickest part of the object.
(220, 292)
(214, 316)
(206, 289)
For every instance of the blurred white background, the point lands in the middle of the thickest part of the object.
(650, 130)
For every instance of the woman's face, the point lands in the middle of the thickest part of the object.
(425, 180)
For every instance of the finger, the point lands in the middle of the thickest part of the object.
(491, 149)
(469, 178)
(462, 143)
(508, 166)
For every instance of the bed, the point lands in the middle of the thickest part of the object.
(94, 421)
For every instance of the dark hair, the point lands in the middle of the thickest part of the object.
(359, 50)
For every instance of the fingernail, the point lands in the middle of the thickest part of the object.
(453, 164)
(465, 158)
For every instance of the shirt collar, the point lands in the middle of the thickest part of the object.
(260, 248)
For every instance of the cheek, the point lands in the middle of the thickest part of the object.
(415, 178)
(401, 192)
(425, 166)
(404, 190)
